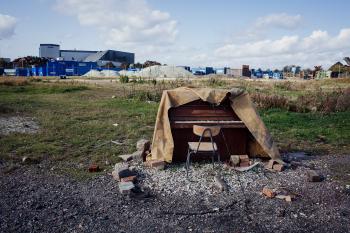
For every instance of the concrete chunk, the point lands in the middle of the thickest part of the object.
(313, 176)
(126, 187)
(143, 145)
(234, 160)
(278, 167)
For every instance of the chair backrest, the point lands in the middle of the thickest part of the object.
(204, 131)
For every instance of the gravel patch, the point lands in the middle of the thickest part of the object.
(35, 199)
(17, 124)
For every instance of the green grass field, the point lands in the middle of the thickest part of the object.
(76, 118)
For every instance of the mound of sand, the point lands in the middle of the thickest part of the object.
(159, 72)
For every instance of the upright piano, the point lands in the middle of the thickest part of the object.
(232, 140)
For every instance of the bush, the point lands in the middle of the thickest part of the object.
(124, 79)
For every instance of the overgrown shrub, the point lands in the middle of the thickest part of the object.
(124, 79)
(320, 101)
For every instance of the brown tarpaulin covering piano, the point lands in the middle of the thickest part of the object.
(241, 104)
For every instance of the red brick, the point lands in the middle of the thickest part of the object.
(94, 168)
(158, 164)
(128, 179)
(244, 164)
(268, 192)
(244, 158)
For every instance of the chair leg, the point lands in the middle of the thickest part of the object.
(213, 159)
(218, 154)
(188, 161)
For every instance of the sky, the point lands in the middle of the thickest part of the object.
(220, 33)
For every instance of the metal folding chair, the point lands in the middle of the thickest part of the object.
(203, 147)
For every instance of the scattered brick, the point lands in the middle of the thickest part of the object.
(128, 179)
(278, 167)
(268, 192)
(244, 158)
(244, 164)
(94, 168)
(125, 172)
(234, 159)
(157, 164)
(313, 176)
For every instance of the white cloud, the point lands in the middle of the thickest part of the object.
(282, 20)
(123, 23)
(7, 26)
(317, 48)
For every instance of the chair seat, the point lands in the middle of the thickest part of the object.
(204, 146)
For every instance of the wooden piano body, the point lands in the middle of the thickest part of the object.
(198, 112)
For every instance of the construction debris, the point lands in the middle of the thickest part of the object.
(270, 193)
(157, 164)
(313, 176)
(278, 167)
(94, 168)
(243, 169)
(126, 187)
(270, 164)
(220, 184)
(234, 159)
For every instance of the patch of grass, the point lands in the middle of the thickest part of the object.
(309, 131)
(74, 120)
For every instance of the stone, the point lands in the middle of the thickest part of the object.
(128, 179)
(137, 155)
(126, 158)
(234, 159)
(313, 176)
(115, 175)
(126, 187)
(143, 145)
(278, 167)
(220, 184)
(288, 198)
(270, 193)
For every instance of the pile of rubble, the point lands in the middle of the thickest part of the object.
(136, 177)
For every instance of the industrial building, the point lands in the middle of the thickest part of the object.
(118, 58)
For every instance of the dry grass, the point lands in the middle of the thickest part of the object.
(13, 81)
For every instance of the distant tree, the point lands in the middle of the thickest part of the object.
(138, 65)
(4, 63)
(29, 61)
(151, 63)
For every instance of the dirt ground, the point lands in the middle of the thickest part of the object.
(35, 198)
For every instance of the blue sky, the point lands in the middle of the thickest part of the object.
(270, 33)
